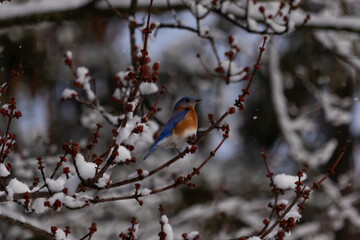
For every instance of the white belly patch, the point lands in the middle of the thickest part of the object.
(178, 141)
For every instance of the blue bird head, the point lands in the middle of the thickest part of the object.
(186, 102)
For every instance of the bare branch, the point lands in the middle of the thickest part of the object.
(28, 226)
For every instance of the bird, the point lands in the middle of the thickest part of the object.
(182, 124)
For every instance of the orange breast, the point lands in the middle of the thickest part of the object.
(190, 123)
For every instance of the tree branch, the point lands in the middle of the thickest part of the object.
(22, 15)
(28, 226)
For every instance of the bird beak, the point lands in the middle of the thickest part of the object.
(196, 101)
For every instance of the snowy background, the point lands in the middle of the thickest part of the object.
(304, 106)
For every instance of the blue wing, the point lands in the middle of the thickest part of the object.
(167, 130)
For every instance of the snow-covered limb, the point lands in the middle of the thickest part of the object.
(291, 128)
(34, 12)
(53, 10)
(191, 235)
(334, 108)
(340, 23)
(3, 170)
(60, 235)
(343, 45)
(342, 205)
(15, 186)
(89, 119)
(83, 81)
(68, 94)
(320, 21)
(284, 181)
(166, 228)
(85, 170)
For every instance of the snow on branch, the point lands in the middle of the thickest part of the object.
(33, 12)
(254, 15)
(291, 128)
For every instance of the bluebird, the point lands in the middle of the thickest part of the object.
(182, 124)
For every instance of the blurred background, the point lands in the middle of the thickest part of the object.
(303, 108)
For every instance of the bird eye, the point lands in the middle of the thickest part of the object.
(187, 100)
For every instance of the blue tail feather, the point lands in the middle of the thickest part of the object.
(151, 150)
(162, 136)
(167, 130)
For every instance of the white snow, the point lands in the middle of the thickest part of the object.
(17, 9)
(275, 26)
(124, 132)
(232, 9)
(73, 202)
(254, 238)
(164, 219)
(140, 141)
(145, 192)
(135, 174)
(38, 205)
(103, 181)
(117, 94)
(15, 186)
(196, 8)
(124, 154)
(294, 213)
(68, 54)
(121, 75)
(3, 170)
(83, 77)
(60, 235)
(82, 74)
(71, 184)
(237, 77)
(334, 112)
(57, 196)
(5, 107)
(145, 173)
(253, 25)
(68, 94)
(192, 235)
(114, 120)
(55, 185)
(89, 119)
(284, 181)
(167, 228)
(148, 88)
(236, 73)
(86, 169)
